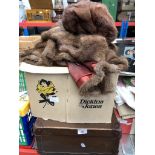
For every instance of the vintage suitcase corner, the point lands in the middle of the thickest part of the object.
(37, 131)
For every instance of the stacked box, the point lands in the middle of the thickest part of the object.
(112, 7)
(70, 123)
(22, 82)
(126, 10)
(41, 10)
(55, 138)
(26, 121)
(28, 42)
(64, 103)
(39, 15)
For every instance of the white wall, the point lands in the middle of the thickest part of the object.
(27, 5)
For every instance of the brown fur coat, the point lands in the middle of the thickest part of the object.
(59, 46)
(87, 17)
(85, 35)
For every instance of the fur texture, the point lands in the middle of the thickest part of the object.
(59, 46)
(85, 35)
(88, 17)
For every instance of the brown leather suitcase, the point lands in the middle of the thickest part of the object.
(56, 138)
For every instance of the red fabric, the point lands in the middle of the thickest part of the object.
(80, 73)
(90, 65)
(83, 80)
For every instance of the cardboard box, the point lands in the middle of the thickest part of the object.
(28, 42)
(112, 7)
(126, 124)
(132, 131)
(125, 111)
(54, 95)
(39, 14)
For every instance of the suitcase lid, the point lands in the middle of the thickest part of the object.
(50, 127)
(41, 4)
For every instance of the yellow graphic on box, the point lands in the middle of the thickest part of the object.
(47, 91)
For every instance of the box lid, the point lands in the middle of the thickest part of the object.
(42, 69)
(41, 4)
(50, 127)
